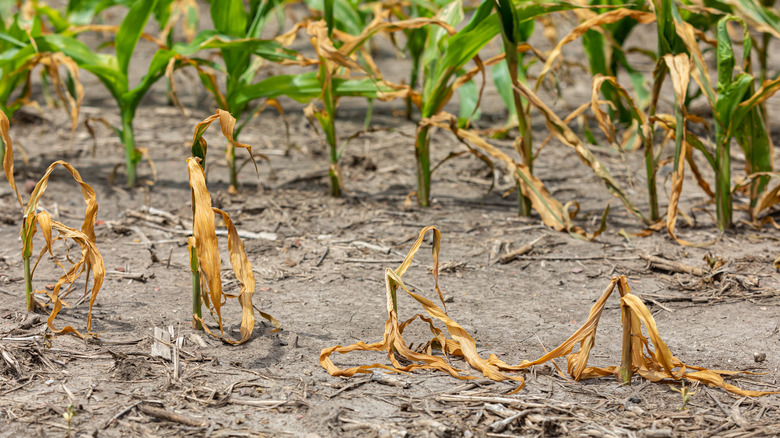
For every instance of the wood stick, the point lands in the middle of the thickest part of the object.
(671, 266)
(525, 249)
(162, 414)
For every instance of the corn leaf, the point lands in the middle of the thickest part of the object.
(130, 31)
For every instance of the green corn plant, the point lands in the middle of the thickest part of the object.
(446, 53)
(736, 107)
(440, 66)
(752, 134)
(233, 20)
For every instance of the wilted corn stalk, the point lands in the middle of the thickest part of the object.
(560, 130)
(203, 246)
(206, 253)
(199, 148)
(638, 357)
(604, 49)
(460, 342)
(236, 34)
(554, 214)
(91, 262)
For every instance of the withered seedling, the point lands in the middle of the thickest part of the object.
(460, 343)
(203, 246)
(91, 262)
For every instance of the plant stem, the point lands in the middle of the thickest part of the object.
(652, 191)
(28, 284)
(626, 365)
(422, 153)
(232, 169)
(128, 140)
(196, 299)
(525, 148)
(723, 184)
(369, 114)
(412, 83)
(328, 123)
(650, 161)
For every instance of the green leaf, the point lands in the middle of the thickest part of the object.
(306, 87)
(130, 31)
(500, 74)
(229, 17)
(468, 95)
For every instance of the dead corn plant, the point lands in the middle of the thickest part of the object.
(90, 262)
(205, 262)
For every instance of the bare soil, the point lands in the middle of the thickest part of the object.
(326, 286)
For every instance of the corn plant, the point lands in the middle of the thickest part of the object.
(415, 41)
(113, 71)
(338, 75)
(446, 53)
(460, 343)
(91, 262)
(604, 50)
(203, 247)
(233, 22)
(736, 107)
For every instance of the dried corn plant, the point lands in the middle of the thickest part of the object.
(51, 62)
(91, 262)
(460, 343)
(655, 363)
(205, 262)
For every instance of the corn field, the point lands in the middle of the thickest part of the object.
(574, 168)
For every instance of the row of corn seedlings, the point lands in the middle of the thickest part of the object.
(445, 50)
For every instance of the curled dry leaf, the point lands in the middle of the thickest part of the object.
(52, 63)
(560, 130)
(208, 259)
(609, 17)
(554, 214)
(679, 67)
(655, 363)
(460, 342)
(227, 123)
